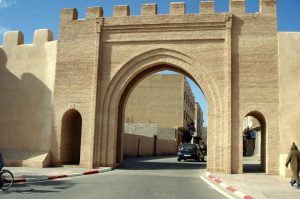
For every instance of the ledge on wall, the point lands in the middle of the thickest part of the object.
(29, 158)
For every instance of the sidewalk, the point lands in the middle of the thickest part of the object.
(260, 186)
(254, 184)
(29, 174)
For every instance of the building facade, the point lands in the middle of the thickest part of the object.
(198, 120)
(163, 99)
(239, 60)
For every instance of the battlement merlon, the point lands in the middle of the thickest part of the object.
(149, 9)
(15, 38)
(237, 7)
(121, 11)
(42, 36)
(177, 8)
(207, 7)
(67, 14)
(94, 12)
(267, 6)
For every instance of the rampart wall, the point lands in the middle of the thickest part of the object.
(289, 74)
(27, 84)
(138, 145)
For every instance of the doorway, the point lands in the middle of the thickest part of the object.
(254, 143)
(71, 138)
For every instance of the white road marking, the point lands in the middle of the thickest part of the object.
(217, 188)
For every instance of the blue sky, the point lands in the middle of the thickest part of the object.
(29, 15)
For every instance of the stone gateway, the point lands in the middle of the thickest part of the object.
(69, 95)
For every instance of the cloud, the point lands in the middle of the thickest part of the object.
(6, 3)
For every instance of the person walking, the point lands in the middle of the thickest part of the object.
(294, 160)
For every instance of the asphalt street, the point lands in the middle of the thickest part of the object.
(146, 178)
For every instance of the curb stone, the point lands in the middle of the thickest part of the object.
(227, 187)
(46, 178)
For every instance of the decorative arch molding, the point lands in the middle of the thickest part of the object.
(150, 62)
(170, 58)
(258, 115)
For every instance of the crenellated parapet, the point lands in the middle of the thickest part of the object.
(266, 7)
(72, 13)
(237, 7)
(16, 38)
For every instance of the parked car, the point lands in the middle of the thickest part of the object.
(189, 151)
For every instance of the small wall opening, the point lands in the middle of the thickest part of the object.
(71, 137)
(254, 143)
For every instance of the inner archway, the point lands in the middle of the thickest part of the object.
(71, 137)
(254, 143)
(162, 110)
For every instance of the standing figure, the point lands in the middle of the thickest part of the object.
(294, 160)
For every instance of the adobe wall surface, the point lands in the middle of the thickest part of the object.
(166, 147)
(137, 145)
(27, 73)
(289, 74)
(157, 99)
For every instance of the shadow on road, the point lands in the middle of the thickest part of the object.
(40, 187)
(160, 163)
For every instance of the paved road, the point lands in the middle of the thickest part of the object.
(138, 178)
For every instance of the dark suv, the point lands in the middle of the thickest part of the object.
(189, 151)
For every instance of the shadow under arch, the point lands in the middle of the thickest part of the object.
(129, 75)
(71, 137)
(261, 119)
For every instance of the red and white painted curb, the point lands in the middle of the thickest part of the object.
(227, 187)
(46, 178)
